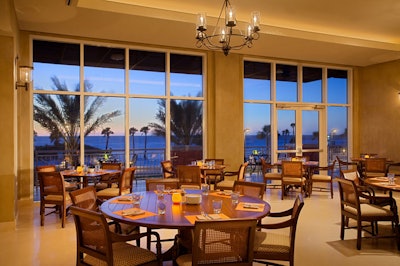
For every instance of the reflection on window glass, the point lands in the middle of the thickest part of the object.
(146, 72)
(312, 84)
(257, 130)
(257, 81)
(146, 130)
(104, 69)
(337, 132)
(55, 65)
(286, 83)
(105, 142)
(186, 130)
(186, 75)
(337, 86)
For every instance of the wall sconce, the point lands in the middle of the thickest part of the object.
(25, 77)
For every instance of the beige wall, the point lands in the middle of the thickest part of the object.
(8, 103)
(379, 110)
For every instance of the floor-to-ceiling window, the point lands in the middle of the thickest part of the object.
(101, 102)
(292, 109)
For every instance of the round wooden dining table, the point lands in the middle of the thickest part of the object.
(182, 215)
(383, 183)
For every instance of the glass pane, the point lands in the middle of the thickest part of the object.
(56, 130)
(337, 133)
(310, 133)
(55, 66)
(337, 86)
(257, 131)
(147, 135)
(186, 75)
(146, 72)
(104, 69)
(257, 81)
(286, 83)
(286, 129)
(312, 84)
(186, 130)
(105, 130)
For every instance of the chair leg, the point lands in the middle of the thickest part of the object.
(342, 225)
(331, 189)
(41, 214)
(359, 229)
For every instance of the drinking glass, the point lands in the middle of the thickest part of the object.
(136, 200)
(235, 197)
(160, 188)
(204, 189)
(390, 178)
(217, 205)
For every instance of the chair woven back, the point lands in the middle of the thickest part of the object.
(292, 169)
(189, 175)
(111, 166)
(242, 170)
(223, 242)
(348, 194)
(85, 198)
(171, 183)
(46, 168)
(92, 235)
(167, 169)
(126, 180)
(344, 165)
(351, 174)
(375, 165)
(251, 189)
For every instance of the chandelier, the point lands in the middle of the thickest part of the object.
(225, 36)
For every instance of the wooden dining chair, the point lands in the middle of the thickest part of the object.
(53, 195)
(125, 185)
(322, 174)
(169, 183)
(273, 241)
(229, 177)
(251, 189)
(221, 242)
(375, 167)
(213, 175)
(189, 176)
(107, 181)
(352, 208)
(97, 245)
(292, 176)
(86, 198)
(270, 177)
(70, 183)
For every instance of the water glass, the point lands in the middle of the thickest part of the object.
(160, 188)
(235, 197)
(161, 205)
(217, 205)
(136, 200)
(204, 189)
(390, 178)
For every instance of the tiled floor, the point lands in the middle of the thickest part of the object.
(317, 242)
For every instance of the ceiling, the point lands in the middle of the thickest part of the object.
(355, 33)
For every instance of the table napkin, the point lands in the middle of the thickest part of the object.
(193, 218)
(251, 207)
(135, 216)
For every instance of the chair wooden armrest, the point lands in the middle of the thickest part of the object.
(279, 225)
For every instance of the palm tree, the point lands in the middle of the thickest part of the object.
(107, 132)
(60, 116)
(145, 130)
(293, 125)
(186, 122)
(132, 132)
(265, 133)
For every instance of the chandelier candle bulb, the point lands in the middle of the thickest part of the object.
(255, 22)
(201, 22)
(230, 16)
